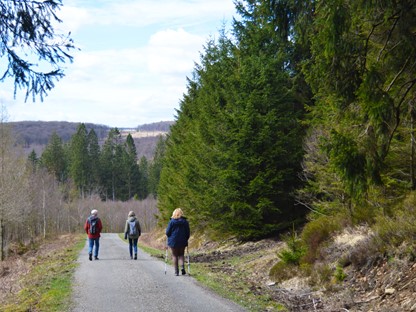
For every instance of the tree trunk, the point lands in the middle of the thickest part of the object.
(413, 147)
(2, 255)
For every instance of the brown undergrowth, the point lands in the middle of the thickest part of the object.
(339, 281)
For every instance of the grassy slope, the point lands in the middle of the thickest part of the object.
(47, 285)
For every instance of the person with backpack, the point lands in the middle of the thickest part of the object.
(132, 231)
(93, 227)
(178, 233)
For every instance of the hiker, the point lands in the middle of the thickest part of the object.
(132, 231)
(93, 227)
(178, 234)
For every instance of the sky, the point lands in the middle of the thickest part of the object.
(133, 60)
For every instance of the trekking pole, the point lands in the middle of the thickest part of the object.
(189, 263)
(166, 256)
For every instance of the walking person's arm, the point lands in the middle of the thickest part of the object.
(139, 229)
(126, 229)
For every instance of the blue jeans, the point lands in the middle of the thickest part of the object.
(133, 246)
(91, 243)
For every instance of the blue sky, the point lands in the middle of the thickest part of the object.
(133, 61)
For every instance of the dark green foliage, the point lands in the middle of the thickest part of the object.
(295, 250)
(362, 76)
(33, 161)
(54, 158)
(131, 175)
(80, 160)
(233, 156)
(27, 34)
(93, 162)
(111, 161)
(144, 180)
(156, 166)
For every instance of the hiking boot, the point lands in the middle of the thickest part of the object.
(177, 273)
(90, 257)
(96, 258)
(135, 256)
(183, 272)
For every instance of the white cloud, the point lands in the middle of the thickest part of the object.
(136, 75)
(173, 51)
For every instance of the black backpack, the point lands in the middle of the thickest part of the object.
(93, 225)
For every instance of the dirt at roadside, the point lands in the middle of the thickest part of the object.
(387, 285)
(13, 268)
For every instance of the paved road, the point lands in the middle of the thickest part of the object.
(116, 283)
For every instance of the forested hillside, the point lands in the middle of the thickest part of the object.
(301, 120)
(35, 135)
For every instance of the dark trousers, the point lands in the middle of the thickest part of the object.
(178, 258)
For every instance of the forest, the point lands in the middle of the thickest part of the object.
(53, 192)
(300, 118)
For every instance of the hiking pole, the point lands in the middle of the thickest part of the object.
(189, 263)
(166, 256)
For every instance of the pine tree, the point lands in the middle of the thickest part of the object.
(26, 30)
(130, 168)
(80, 162)
(143, 185)
(111, 165)
(93, 162)
(54, 159)
(156, 166)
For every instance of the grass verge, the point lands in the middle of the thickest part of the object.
(47, 287)
(229, 284)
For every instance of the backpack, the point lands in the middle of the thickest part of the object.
(133, 229)
(93, 223)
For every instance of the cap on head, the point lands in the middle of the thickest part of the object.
(131, 214)
(94, 212)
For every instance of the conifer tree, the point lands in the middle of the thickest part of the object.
(27, 34)
(111, 165)
(156, 166)
(54, 159)
(143, 185)
(130, 169)
(93, 162)
(80, 162)
(363, 77)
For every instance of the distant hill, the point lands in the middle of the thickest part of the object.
(35, 135)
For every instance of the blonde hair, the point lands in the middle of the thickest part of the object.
(132, 214)
(177, 213)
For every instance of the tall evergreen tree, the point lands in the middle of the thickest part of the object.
(93, 162)
(80, 162)
(143, 187)
(54, 159)
(33, 161)
(156, 166)
(111, 165)
(236, 148)
(362, 74)
(130, 168)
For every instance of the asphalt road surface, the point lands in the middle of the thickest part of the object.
(117, 283)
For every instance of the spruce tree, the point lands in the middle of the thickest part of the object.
(54, 159)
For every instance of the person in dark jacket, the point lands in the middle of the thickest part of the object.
(132, 231)
(178, 233)
(93, 227)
